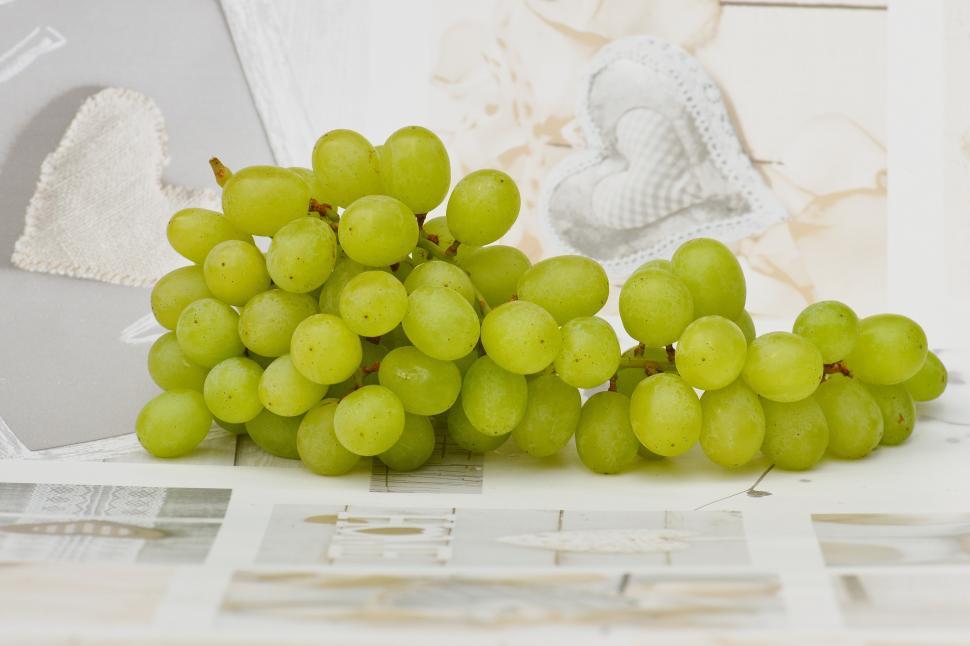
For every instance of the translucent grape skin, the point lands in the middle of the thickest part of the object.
(173, 423)
(267, 321)
(832, 326)
(208, 332)
(656, 263)
(235, 429)
(551, 415)
(796, 433)
(415, 168)
(317, 192)
(898, 412)
(284, 391)
(930, 380)
(369, 420)
(483, 206)
(373, 303)
(302, 255)
(372, 353)
(733, 427)
(425, 385)
(413, 448)
(438, 227)
(175, 291)
(590, 352)
(441, 323)
(260, 199)
(747, 326)
(521, 337)
(231, 390)
(377, 230)
(711, 353)
(665, 414)
(437, 273)
(655, 307)
(627, 380)
(194, 232)
(783, 367)
(275, 434)
(713, 275)
(566, 286)
(343, 271)
(604, 437)
(347, 167)
(464, 434)
(170, 368)
(317, 444)
(890, 349)
(495, 271)
(493, 398)
(235, 271)
(854, 419)
(325, 350)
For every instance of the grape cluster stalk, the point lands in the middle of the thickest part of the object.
(366, 325)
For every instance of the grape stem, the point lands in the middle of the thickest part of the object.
(835, 368)
(220, 170)
(326, 212)
(420, 217)
(374, 367)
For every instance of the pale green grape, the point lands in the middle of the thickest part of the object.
(194, 232)
(426, 386)
(373, 303)
(267, 321)
(890, 349)
(235, 271)
(371, 357)
(174, 291)
(783, 367)
(260, 359)
(655, 307)
(317, 443)
(929, 382)
(656, 263)
(235, 429)
(437, 273)
(438, 227)
(401, 270)
(284, 391)
(317, 192)
(590, 352)
(832, 326)
(232, 390)
(627, 380)
(494, 399)
(898, 412)
(275, 434)
(302, 255)
(551, 416)
(208, 332)
(343, 271)
(261, 199)
(347, 166)
(396, 338)
(173, 423)
(604, 437)
(521, 337)
(441, 323)
(324, 349)
(377, 230)
(495, 271)
(413, 448)
(465, 362)
(796, 433)
(483, 206)
(465, 435)
(853, 417)
(711, 353)
(369, 420)
(747, 326)
(415, 168)
(170, 368)
(733, 428)
(666, 414)
(713, 275)
(566, 286)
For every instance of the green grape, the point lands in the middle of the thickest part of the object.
(929, 382)
(194, 232)
(261, 199)
(493, 398)
(627, 380)
(713, 275)
(521, 337)
(347, 167)
(377, 230)
(551, 416)
(208, 332)
(889, 350)
(235, 272)
(260, 359)
(275, 434)
(369, 420)
(372, 355)
(711, 353)
(426, 386)
(796, 433)
(604, 437)
(590, 352)
(317, 443)
(483, 206)
(656, 263)
(232, 390)
(317, 192)
(415, 168)
(832, 326)
(284, 391)
(413, 448)
(373, 303)
(324, 349)
(173, 423)
(461, 431)
(343, 271)
(566, 286)
(733, 428)
(655, 307)
(267, 321)
(666, 414)
(783, 367)
(495, 271)
(437, 273)
(235, 429)
(401, 270)
(898, 412)
(854, 419)
(396, 338)
(169, 367)
(302, 255)
(438, 227)
(465, 362)
(441, 323)
(174, 291)
(747, 326)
